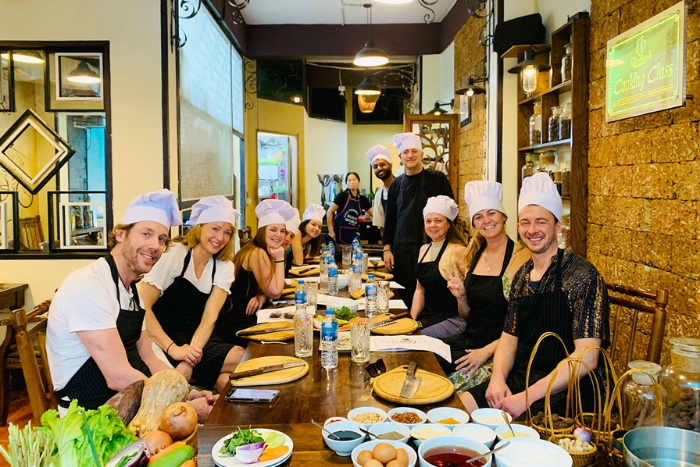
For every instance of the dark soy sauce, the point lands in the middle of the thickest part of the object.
(452, 456)
(345, 435)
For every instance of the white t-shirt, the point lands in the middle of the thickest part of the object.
(86, 301)
(170, 264)
(378, 212)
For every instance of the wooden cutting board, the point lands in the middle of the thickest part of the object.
(433, 388)
(274, 377)
(288, 292)
(359, 293)
(379, 276)
(272, 336)
(400, 326)
(305, 271)
(375, 263)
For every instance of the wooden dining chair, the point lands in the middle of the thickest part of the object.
(638, 322)
(31, 340)
(30, 233)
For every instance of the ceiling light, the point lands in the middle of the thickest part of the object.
(367, 102)
(370, 55)
(297, 99)
(529, 69)
(24, 57)
(472, 89)
(368, 87)
(83, 74)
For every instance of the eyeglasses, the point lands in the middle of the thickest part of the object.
(277, 315)
(375, 369)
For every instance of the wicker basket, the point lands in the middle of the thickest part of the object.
(191, 440)
(581, 459)
(601, 436)
(545, 433)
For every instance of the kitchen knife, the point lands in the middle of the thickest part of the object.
(255, 332)
(410, 383)
(265, 369)
(389, 321)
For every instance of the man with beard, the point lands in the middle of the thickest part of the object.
(96, 339)
(555, 291)
(379, 158)
(403, 228)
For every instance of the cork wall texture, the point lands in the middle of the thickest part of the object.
(470, 60)
(644, 177)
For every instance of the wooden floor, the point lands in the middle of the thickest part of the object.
(20, 412)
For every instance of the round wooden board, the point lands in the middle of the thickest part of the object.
(433, 388)
(359, 293)
(315, 271)
(274, 377)
(379, 276)
(400, 326)
(379, 264)
(271, 336)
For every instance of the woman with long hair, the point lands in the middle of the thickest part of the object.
(350, 204)
(491, 260)
(185, 290)
(307, 242)
(433, 305)
(259, 269)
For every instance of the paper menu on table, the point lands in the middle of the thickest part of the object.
(409, 342)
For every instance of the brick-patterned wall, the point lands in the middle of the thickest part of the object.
(470, 59)
(644, 178)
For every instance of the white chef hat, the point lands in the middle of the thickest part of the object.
(378, 152)
(483, 194)
(274, 211)
(442, 205)
(541, 191)
(213, 209)
(293, 224)
(158, 206)
(404, 141)
(315, 212)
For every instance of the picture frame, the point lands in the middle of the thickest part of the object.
(63, 95)
(465, 110)
(9, 226)
(79, 229)
(7, 82)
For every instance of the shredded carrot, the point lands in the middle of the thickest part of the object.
(172, 447)
(273, 453)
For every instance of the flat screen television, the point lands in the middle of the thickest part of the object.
(327, 104)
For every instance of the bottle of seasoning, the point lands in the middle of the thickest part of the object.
(642, 401)
(681, 380)
(536, 124)
(565, 179)
(566, 62)
(547, 164)
(529, 168)
(553, 124)
(565, 121)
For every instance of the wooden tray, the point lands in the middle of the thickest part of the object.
(433, 388)
(379, 276)
(272, 336)
(375, 263)
(274, 377)
(400, 326)
(359, 293)
(305, 271)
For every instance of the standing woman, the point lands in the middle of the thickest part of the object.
(491, 261)
(308, 243)
(185, 290)
(259, 269)
(433, 305)
(343, 226)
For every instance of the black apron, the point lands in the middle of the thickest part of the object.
(346, 221)
(88, 384)
(440, 304)
(232, 317)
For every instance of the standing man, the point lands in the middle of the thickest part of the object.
(96, 339)
(556, 291)
(379, 158)
(403, 225)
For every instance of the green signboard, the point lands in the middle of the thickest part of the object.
(645, 66)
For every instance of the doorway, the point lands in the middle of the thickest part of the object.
(277, 163)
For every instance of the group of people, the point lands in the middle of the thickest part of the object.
(490, 299)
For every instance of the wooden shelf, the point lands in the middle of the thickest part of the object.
(551, 144)
(559, 89)
(516, 50)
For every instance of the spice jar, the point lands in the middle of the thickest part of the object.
(681, 381)
(536, 125)
(565, 179)
(566, 62)
(642, 401)
(564, 238)
(553, 124)
(528, 169)
(565, 121)
(547, 164)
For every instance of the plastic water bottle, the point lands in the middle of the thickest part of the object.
(332, 248)
(356, 276)
(300, 297)
(355, 243)
(325, 263)
(370, 297)
(332, 277)
(329, 336)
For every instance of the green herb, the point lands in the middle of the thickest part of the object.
(241, 437)
(27, 447)
(345, 314)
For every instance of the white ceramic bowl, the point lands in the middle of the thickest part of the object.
(491, 418)
(442, 413)
(343, 281)
(361, 410)
(521, 431)
(343, 448)
(397, 410)
(422, 433)
(386, 427)
(337, 303)
(476, 432)
(450, 443)
(334, 419)
(369, 445)
(527, 451)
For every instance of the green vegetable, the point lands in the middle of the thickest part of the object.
(175, 457)
(125, 460)
(273, 440)
(28, 447)
(241, 437)
(108, 433)
(345, 314)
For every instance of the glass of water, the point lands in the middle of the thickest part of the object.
(347, 256)
(311, 297)
(359, 339)
(383, 296)
(303, 335)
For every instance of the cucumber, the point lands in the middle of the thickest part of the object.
(175, 458)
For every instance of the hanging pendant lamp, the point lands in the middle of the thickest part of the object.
(368, 92)
(83, 74)
(370, 56)
(529, 70)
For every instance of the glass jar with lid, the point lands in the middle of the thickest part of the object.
(566, 62)
(681, 382)
(565, 121)
(642, 401)
(531, 160)
(547, 164)
(553, 124)
(536, 124)
(565, 179)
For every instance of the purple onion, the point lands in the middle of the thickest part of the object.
(138, 453)
(250, 453)
(582, 434)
